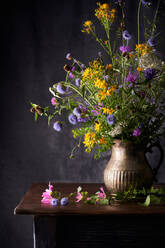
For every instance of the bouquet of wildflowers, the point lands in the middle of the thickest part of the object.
(122, 99)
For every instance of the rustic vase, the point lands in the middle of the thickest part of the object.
(129, 168)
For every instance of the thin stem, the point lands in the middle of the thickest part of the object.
(138, 21)
(155, 17)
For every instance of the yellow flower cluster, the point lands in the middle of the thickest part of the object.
(94, 71)
(108, 111)
(89, 141)
(139, 69)
(100, 83)
(143, 49)
(103, 93)
(97, 127)
(87, 27)
(104, 12)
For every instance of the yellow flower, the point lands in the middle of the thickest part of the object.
(102, 94)
(139, 69)
(101, 84)
(105, 6)
(111, 90)
(88, 24)
(108, 111)
(142, 49)
(109, 67)
(87, 27)
(97, 127)
(102, 141)
(89, 140)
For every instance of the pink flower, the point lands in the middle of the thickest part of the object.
(53, 101)
(101, 195)
(71, 74)
(47, 198)
(78, 197)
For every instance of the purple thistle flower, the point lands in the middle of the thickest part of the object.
(72, 119)
(125, 49)
(137, 132)
(61, 88)
(57, 126)
(69, 56)
(77, 81)
(111, 119)
(54, 202)
(126, 35)
(151, 42)
(149, 73)
(64, 201)
(77, 112)
(131, 77)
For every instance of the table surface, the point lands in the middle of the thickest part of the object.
(31, 203)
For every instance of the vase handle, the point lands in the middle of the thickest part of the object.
(149, 149)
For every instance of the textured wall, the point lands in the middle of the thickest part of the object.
(35, 37)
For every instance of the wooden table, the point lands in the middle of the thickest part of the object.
(94, 226)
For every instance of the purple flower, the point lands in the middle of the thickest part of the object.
(131, 77)
(77, 112)
(64, 201)
(111, 119)
(77, 81)
(80, 119)
(137, 132)
(57, 126)
(145, 2)
(106, 77)
(125, 49)
(72, 119)
(71, 75)
(151, 42)
(142, 94)
(54, 202)
(126, 35)
(69, 56)
(82, 66)
(61, 88)
(82, 108)
(149, 73)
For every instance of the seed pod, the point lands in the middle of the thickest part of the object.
(32, 110)
(67, 68)
(39, 110)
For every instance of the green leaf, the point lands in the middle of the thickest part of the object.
(147, 201)
(104, 202)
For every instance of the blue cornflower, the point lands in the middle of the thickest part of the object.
(77, 81)
(126, 35)
(72, 119)
(57, 126)
(54, 202)
(82, 66)
(100, 54)
(77, 112)
(151, 42)
(111, 119)
(64, 201)
(69, 56)
(61, 88)
(106, 77)
(149, 73)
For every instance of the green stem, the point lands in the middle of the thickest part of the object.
(138, 21)
(155, 17)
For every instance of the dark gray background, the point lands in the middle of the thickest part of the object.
(35, 37)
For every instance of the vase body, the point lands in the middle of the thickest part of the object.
(127, 168)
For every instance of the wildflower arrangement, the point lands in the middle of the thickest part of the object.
(122, 99)
(154, 196)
